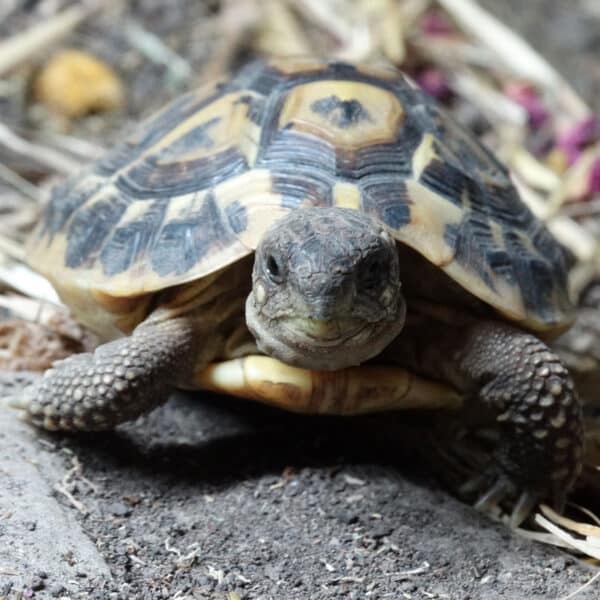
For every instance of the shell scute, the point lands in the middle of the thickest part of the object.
(90, 227)
(196, 187)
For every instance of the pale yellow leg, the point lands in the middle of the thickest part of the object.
(349, 391)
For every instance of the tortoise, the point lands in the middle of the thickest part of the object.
(323, 237)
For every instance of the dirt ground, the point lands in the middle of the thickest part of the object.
(212, 498)
(217, 499)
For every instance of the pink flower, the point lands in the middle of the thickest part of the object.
(578, 137)
(435, 22)
(527, 96)
(593, 183)
(434, 82)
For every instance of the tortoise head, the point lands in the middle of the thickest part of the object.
(325, 289)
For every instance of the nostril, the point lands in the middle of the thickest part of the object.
(374, 273)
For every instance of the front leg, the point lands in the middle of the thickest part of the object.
(531, 395)
(119, 381)
(538, 409)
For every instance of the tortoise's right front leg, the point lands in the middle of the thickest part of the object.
(119, 381)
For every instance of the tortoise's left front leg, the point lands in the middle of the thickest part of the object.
(526, 387)
(533, 398)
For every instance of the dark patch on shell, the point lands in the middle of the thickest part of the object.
(151, 131)
(259, 78)
(539, 275)
(237, 216)
(341, 113)
(255, 107)
(65, 199)
(303, 168)
(387, 199)
(472, 239)
(198, 137)
(130, 240)
(90, 227)
(151, 178)
(444, 179)
(182, 242)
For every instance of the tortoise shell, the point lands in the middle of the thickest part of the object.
(198, 185)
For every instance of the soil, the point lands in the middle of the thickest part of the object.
(219, 499)
(213, 498)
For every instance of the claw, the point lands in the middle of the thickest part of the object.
(15, 402)
(559, 499)
(473, 485)
(19, 405)
(488, 501)
(522, 509)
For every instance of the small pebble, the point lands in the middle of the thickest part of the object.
(57, 590)
(37, 584)
(119, 509)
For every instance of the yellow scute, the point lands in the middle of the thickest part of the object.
(382, 113)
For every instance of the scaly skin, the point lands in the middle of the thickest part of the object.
(118, 382)
(533, 395)
(524, 384)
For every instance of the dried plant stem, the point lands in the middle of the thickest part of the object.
(28, 190)
(48, 158)
(516, 54)
(24, 45)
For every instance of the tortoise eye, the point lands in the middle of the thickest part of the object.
(374, 273)
(274, 270)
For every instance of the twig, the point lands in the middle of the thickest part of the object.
(29, 283)
(582, 209)
(490, 102)
(353, 36)
(50, 159)
(76, 469)
(581, 545)
(153, 48)
(12, 249)
(137, 559)
(281, 33)
(22, 46)
(235, 22)
(586, 512)
(67, 494)
(515, 53)
(28, 190)
(416, 571)
(82, 149)
(585, 529)
(172, 549)
(581, 588)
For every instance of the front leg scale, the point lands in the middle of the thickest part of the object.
(119, 381)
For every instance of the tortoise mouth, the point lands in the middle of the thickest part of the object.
(321, 332)
(322, 344)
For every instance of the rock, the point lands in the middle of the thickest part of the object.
(55, 549)
(75, 83)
